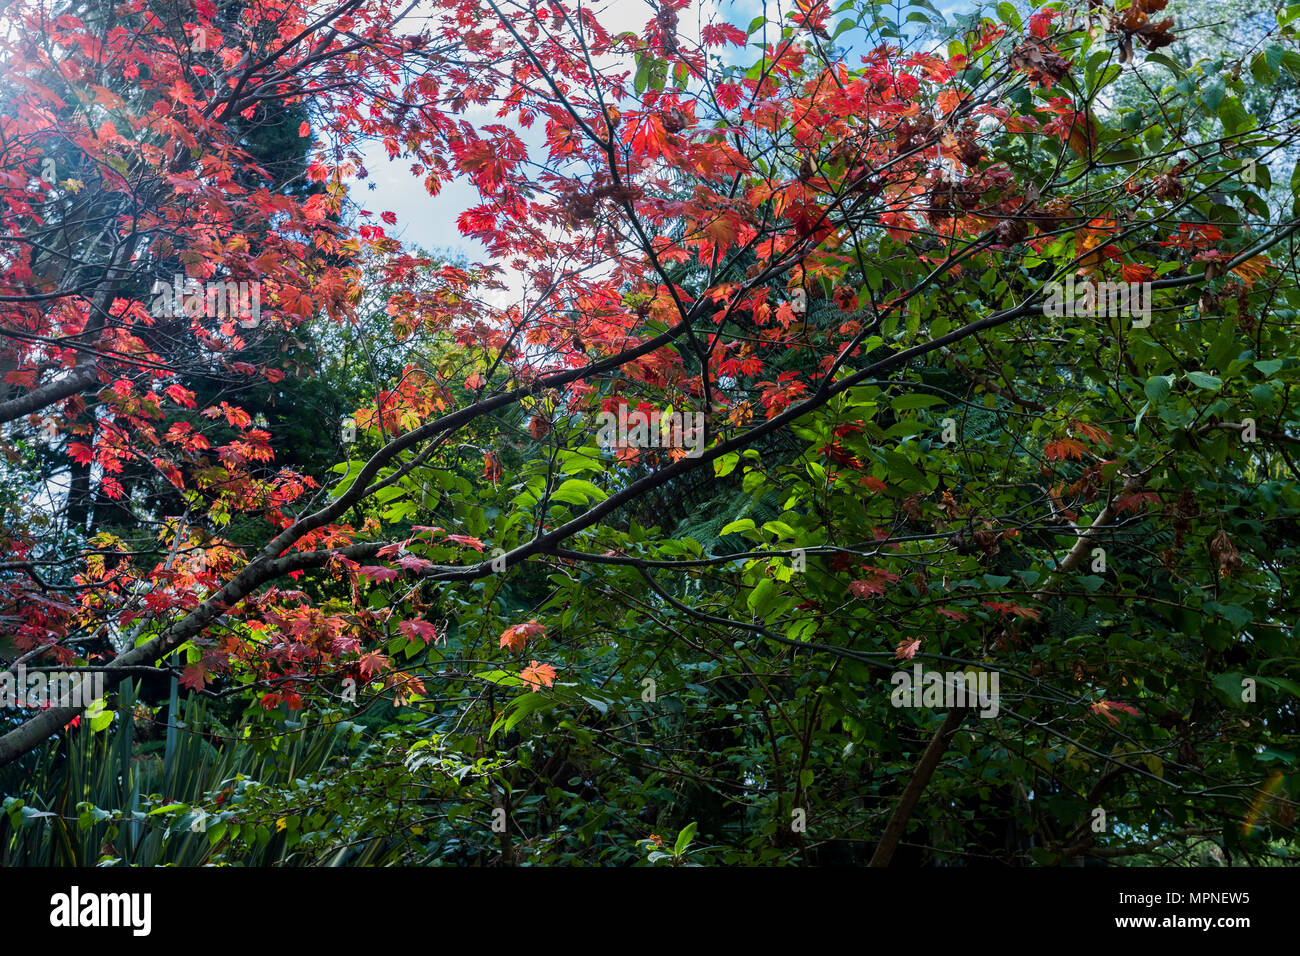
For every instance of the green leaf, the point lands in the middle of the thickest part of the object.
(31, 813)
(780, 529)
(907, 402)
(1235, 614)
(1165, 61)
(100, 720)
(762, 597)
(1158, 387)
(1203, 380)
(504, 678)
(1295, 188)
(743, 524)
(1281, 683)
(578, 491)
(1214, 92)
(1267, 754)
(1229, 685)
(519, 708)
(1234, 116)
(1290, 62)
(684, 838)
(1262, 393)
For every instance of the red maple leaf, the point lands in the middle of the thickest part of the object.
(720, 34)
(867, 588)
(180, 395)
(1012, 610)
(467, 540)
(371, 663)
(778, 395)
(419, 629)
(81, 454)
(646, 134)
(1136, 502)
(195, 677)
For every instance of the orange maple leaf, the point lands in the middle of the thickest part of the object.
(407, 687)
(1252, 269)
(1089, 243)
(1093, 433)
(1064, 448)
(537, 675)
(1104, 708)
(1083, 134)
(516, 637)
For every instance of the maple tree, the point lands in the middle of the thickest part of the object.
(831, 235)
